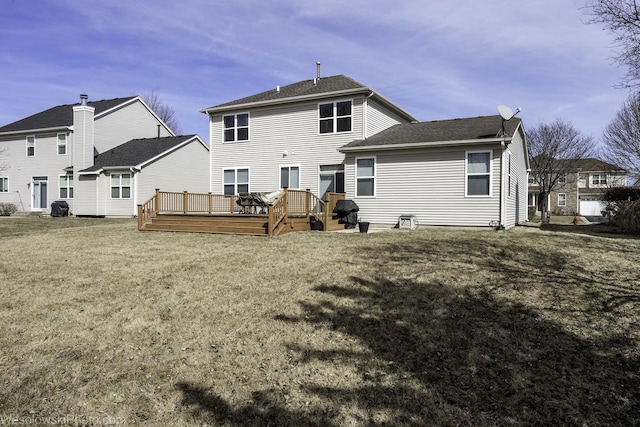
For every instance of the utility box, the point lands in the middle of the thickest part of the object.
(408, 221)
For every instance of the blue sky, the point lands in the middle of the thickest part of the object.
(437, 60)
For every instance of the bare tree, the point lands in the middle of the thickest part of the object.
(621, 138)
(166, 113)
(622, 19)
(555, 151)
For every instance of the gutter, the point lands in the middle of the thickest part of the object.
(43, 130)
(413, 145)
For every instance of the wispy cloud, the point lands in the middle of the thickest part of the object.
(437, 60)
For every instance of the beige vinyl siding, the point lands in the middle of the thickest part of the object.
(169, 173)
(131, 122)
(116, 207)
(297, 134)
(429, 183)
(21, 169)
(87, 204)
(516, 199)
(379, 118)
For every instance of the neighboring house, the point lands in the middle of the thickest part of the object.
(333, 134)
(581, 186)
(76, 153)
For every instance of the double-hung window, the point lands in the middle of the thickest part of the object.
(236, 181)
(290, 177)
(236, 127)
(562, 199)
(62, 143)
(365, 177)
(478, 181)
(120, 185)
(31, 146)
(4, 184)
(66, 186)
(599, 179)
(335, 117)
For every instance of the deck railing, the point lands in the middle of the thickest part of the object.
(290, 202)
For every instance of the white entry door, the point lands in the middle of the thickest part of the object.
(39, 193)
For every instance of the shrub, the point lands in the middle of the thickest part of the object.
(7, 209)
(627, 216)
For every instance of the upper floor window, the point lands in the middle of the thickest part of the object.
(31, 146)
(365, 177)
(4, 184)
(599, 179)
(236, 181)
(478, 173)
(562, 178)
(532, 179)
(66, 186)
(562, 199)
(236, 127)
(335, 116)
(120, 185)
(62, 143)
(290, 177)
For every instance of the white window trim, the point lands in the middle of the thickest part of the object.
(466, 174)
(565, 200)
(4, 188)
(68, 187)
(290, 166)
(600, 176)
(235, 183)
(375, 176)
(120, 186)
(58, 145)
(235, 128)
(334, 117)
(27, 145)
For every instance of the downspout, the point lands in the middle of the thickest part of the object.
(365, 115)
(501, 198)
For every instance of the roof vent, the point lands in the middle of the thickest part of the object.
(318, 70)
(83, 99)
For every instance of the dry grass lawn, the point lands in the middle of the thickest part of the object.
(102, 324)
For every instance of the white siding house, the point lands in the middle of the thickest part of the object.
(335, 134)
(45, 154)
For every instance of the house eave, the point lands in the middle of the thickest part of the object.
(40, 130)
(414, 145)
(311, 97)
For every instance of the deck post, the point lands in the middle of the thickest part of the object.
(139, 217)
(231, 204)
(270, 221)
(185, 202)
(308, 203)
(210, 202)
(158, 200)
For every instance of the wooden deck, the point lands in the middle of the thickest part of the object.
(293, 210)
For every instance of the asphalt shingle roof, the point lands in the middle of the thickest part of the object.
(304, 88)
(440, 131)
(59, 116)
(136, 152)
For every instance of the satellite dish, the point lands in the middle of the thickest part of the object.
(505, 112)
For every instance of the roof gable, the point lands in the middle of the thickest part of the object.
(318, 88)
(137, 152)
(440, 131)
(60, 116)
(304, 88)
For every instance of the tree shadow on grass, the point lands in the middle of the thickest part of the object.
(437, 354)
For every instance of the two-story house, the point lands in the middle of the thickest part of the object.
(335, 134)
(580, 187)
(101, 157)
